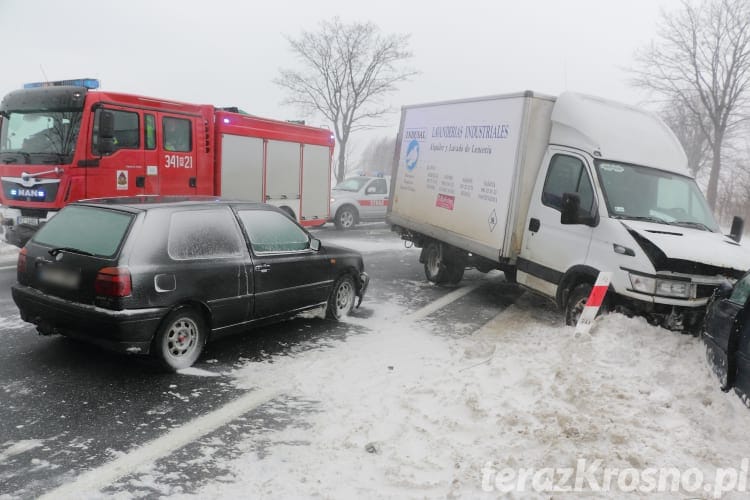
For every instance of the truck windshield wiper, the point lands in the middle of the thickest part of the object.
(26, 156)
(691, 223)
(643, 218)
(53, 252)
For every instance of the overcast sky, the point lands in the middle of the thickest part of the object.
(227, 52)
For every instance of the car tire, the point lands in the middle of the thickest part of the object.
(455, 273)
(435, 269)
(346, 218)
(341, 299)
(180, 339)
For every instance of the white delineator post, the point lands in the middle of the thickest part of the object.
(593, 303)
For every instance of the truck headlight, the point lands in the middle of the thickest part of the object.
(669, 288)
(643, 284)
(661, 287)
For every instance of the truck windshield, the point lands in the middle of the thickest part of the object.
(39, 136)
(352, 184)
(642, 193)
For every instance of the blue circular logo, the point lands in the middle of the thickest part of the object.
(412, 155)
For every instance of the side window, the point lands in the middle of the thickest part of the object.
(150, 131)
(379, 185)
(273, 232)
(567, 174)
(127, 130)
(204, 234)
(741, 291)
(176, 134)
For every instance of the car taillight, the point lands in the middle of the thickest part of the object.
(113, 282)
(22, 261)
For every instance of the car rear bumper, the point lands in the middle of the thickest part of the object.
(129, 330)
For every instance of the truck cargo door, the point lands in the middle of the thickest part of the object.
(550, 248)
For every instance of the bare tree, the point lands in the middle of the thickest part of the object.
(689, 129)
(377, 158)
(701, 59)
(346, 71)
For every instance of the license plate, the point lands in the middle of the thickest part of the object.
(31, 221)
(61, 277)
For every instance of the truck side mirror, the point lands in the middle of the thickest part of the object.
(738, 225)
(571, 211)
(571, 204)
(106, 132)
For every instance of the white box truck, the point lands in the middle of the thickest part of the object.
(554, 190)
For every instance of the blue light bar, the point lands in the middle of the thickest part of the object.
(89, 83)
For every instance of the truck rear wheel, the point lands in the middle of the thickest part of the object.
(435, 269)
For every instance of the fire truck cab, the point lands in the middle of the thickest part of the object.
(65, 141)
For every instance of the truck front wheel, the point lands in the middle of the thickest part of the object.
(577, 301)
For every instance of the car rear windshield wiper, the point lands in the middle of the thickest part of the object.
(53, 252)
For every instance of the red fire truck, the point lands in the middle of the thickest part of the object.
(65, 141)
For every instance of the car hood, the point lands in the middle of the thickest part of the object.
(694, 245)
(337, 251)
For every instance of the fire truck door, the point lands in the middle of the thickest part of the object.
(150, 179)
(177, 154)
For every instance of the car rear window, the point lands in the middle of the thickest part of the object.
(94, 230)
(204, 234)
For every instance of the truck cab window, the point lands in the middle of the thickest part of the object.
(127, 130)
(150, 131)
(567, 174)
(176, 134)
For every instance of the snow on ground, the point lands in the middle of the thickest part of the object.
(7, 251)
(404, 412)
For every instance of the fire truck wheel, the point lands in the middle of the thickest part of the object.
(346, 218)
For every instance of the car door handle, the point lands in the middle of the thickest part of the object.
(534, 225)
(263, 268)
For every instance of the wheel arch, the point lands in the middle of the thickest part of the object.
(573, 277)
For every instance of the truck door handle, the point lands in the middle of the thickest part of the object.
(534, 225)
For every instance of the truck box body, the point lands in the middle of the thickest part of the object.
(555, 190)
(467, 168)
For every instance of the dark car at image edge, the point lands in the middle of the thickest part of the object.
(162, 276)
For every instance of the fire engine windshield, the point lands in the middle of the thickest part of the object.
(38, 136)
(641, 193)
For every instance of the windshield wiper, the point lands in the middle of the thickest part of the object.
(54, 251)
(647, 218)
(26, 156)
(691, 223)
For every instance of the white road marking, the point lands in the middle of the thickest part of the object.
(442, 302)
(101, 477)
(97, 479)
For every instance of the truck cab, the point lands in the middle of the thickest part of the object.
(360, 198)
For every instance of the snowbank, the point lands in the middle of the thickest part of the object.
(403, 412)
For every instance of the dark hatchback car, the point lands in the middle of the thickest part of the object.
(726, 333)
(162, 277)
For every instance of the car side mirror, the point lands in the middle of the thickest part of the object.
(738, 226)
(370, 190)
(723, 291)
(106, 132)
(314, 244)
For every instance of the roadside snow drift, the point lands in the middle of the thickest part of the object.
(403, 412)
